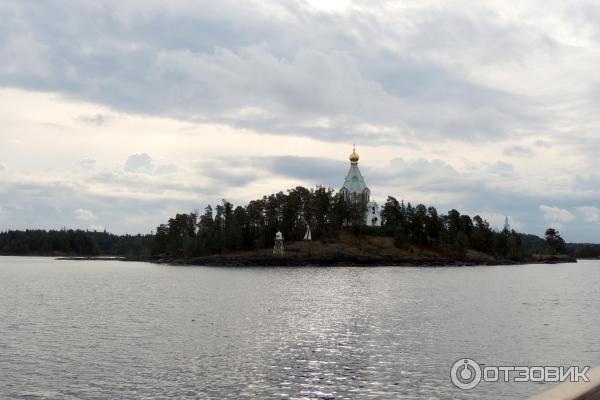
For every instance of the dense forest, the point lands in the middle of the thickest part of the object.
(226, 228)
(583, 250)
(72, 242)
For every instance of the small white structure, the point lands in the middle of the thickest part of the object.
(373, 216)
(355, 189)
(278, 247)
(308, 234)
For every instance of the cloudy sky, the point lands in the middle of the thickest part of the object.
(118, 114)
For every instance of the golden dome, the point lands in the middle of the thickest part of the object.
(354, 156)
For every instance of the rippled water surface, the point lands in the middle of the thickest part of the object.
(115, 330)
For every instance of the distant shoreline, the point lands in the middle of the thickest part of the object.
(236, 261)
(225, 261)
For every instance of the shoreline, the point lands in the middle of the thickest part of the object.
(239, 262)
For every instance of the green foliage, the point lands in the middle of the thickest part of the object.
(254, 226)
(400, 238)
(233, 229)
(533, 243)
(457, 233)
(554, 242)
(356, 213)
(583, 250)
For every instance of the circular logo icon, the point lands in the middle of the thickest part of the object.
(465, 374)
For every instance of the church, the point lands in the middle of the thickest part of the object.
(355, 190)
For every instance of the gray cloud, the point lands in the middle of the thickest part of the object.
(144, 164)
(141, 163)
(129, 185)
(590, 213)
(556, 214)
(53, 205)
(84, 215)
(96, 119)
(317, 171)
(589, 183)
(501, 168)
(303, 74)
(518, 151)
(421, 166)
(227, 172)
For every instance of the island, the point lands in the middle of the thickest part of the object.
(302, 227)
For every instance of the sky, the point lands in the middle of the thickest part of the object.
(118, 114)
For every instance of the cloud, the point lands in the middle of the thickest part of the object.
(165, 169)
(589, 183)
(23, 55)
(84, 215)
(501, 168)
(87, 163)
(139, 163)
(421, 165)
(309, 73)
(518, 151)
(142, 163)
(591, 214)
(33, 203)
(97, 119)
(542, 144)
(228, 172)
(313, 170)
(2, 167)
(556, 214)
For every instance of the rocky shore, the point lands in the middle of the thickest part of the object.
(373, 261)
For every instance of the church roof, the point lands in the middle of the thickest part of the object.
(354, 182)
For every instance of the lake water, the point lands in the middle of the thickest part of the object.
(109, 329)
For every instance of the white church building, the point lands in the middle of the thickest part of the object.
(355, 189)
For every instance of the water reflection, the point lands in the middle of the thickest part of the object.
(126, 330)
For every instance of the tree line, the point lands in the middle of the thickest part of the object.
(422, 225)
(228, 228)
(72, 242)
(583, 250)
(552, 243)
